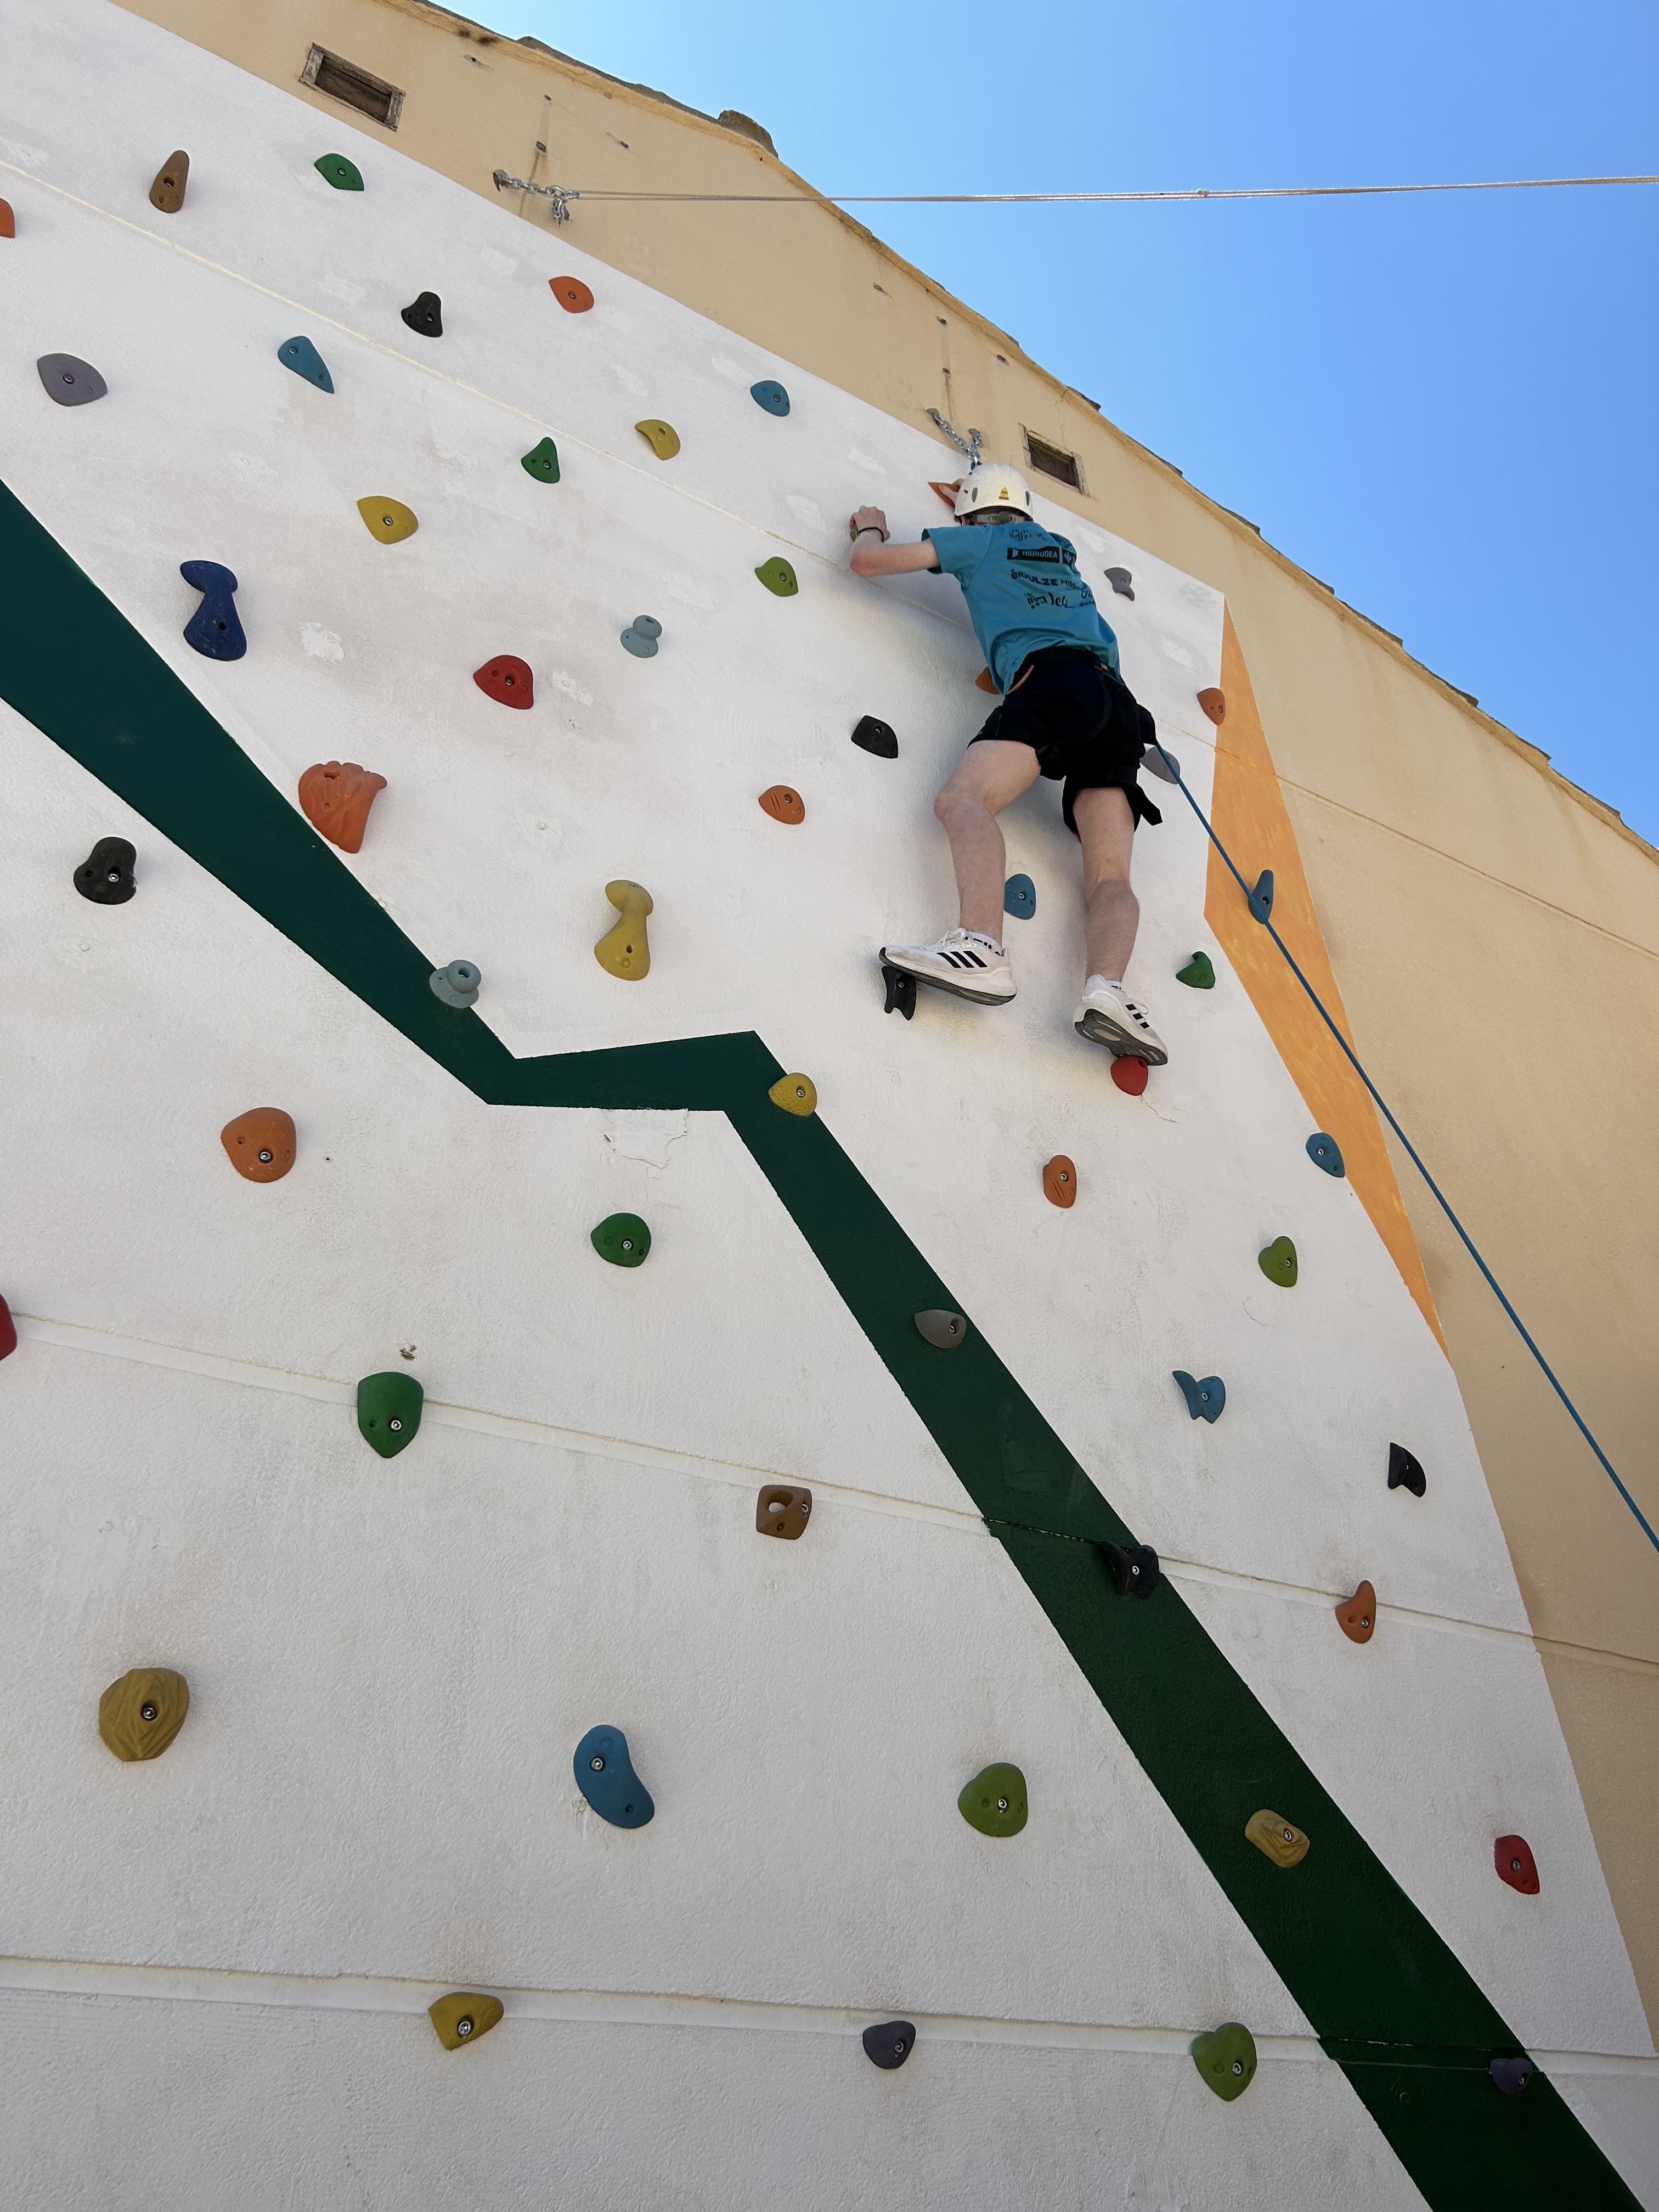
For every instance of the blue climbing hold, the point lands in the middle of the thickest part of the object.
(1261, 898)
(303, 358)
(1207, 1396)
(770, 396)
(606, 1776)
(215, 628)
(1019, 898)
(1325, 1152)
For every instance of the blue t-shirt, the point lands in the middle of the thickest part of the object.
(1023, 592)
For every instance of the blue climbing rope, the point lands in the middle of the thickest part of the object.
(1441, 1200)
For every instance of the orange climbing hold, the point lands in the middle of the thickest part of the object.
(507, 678)
(335, 797)
(1214, 703)
(571, 295)
(261, 1143)
(947, 492)
(1060, 1182)
(985, 682)
(1357, 1615)
(782, 804)
(1130, 1074)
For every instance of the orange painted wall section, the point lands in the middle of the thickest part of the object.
(1250, 820)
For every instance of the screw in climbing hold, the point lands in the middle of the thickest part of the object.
(7, 1332)
(1060, 1182)
(901, 992)
(876, 737)
(782, 1509)
(994, 1800)
(1019, 898)
(425, 315)
(796, 1094)
(389, 1411)
(1197, 974)
(1357, 1615)
(70, 380)
(1277, 1262)
(946, 492)
(1512, 1858)
(1226, 2058)
(104, 876)
(941, 1326)
(542, 462)
(1261, 898)
(1157, 760)
(770, 396)
(303, 358)
(1214, 703)
(335, 797)
(215, 628)
(1121, 583)
(139, 1716)
(1129, 1074)
(260, 1143)
(985, 682)
(624, 1239)
(889, 2043)
(167, 193)
(507, 680)
(625, 949)
(345, 176)
(778, 577)
(1207, 1396)
(463, 2016)
(457, 985)
(1406, 1471)
(388, 519)
(1133, 1569)
(1513, 2074)
(1325, 1152)
(606, 1776)
(782, 804)
(662, 438)
(571, 295)
(7, 221)
(640, 636)
(1272, 1833)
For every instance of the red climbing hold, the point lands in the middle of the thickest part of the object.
(571, 295)
(8, 229)
(508, 679)
(947, 492)
(1130, 1074)
(335, 797)
(8, 1331)
(1512, 1857)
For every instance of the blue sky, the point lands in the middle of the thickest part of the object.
(1444, 405)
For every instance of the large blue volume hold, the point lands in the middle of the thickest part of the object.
(606, 1776)
(303, 358)
(215, 628)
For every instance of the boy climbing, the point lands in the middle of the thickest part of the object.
(1065, 713)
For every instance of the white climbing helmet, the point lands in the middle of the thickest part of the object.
(992, 485)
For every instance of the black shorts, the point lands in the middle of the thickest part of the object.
(1082, 723)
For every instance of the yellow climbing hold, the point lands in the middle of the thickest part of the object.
(388, 519)
(1284, 1846)
(139, 1716)
(463, 2016)
(796, 1094)
(662, 438)
(778, 577)
(625, 950)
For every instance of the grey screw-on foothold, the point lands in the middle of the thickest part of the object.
(1159, 760)
(642, 635)
(456, 985)
(69, 381)
(946, 1329)
(1121, 583)
(648, 625)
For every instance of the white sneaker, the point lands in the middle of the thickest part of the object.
(965, 960)
(1106, 1017)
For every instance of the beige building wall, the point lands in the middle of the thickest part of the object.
(1494, 930)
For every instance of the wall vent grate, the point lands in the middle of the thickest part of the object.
(1052, 462)
(343, 80)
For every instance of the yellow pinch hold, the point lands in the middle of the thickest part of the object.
(625, 950)
(463, 2016)
(388, 519)
(662, 438)
(796, 1094)
(1287, 1846)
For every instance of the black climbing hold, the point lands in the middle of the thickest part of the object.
(770, 396)
(877, 737)
(940, 1326)
(606, 1776)
(425, 314)
(1019, 898)
(890, 2044)
(1511, 2074)
(1325, 1152)
(1133, 1571)
(1199, 974)
(1261, 898)
(1157, 760)
(345, 176)
(901, 992)
(104, 876)
(1121, 583)
(1206, 1396)
(303, 358)
(1406, 1473)
(71, 382)
(215, 628)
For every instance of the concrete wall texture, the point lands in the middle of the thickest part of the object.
(218, 1961)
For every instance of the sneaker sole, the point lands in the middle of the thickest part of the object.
(939, 983)
(1120, 1039)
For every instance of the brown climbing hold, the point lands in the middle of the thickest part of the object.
(139, 1716)
(1060, 1182)
(167, 192)
(261, 1143)
(463, 2016)
(571, 295)
(1357, 1615)
(335, 797)
(782, 1509)
(947, 492)
(985, 682)
(1129, 1074)
(1214, 703)
(1284, 1846)
(782, 804)
(796, 1094)
(625, 950)
(7, 221)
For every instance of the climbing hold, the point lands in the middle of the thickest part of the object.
(782, 804)
(69, 380)
(389, 1411)
(388, 519)
(1226, 2057)
(947, 492)
(662, 438)
(877, 737)
(1206, 1396)
(985, 682)
(1325, 1152)
(778, 577)
(624, 1239)
(139, 1716)
(7, 1332)
(606, 1776)
(303, 358)
(463, 2016)
(1197, 974)
(994, 1800)
(1261, 898)
(425, 315)
(104, 876)
(796, 1094)
(782, 1509)
(335, 797)
(772, 397)
(7, 221)
(1060, 1182)
(215, 628)
(901, 992)
(890, 2044)
(640, 637)
(1129, 1074)
(345, 176)
(542, 461)
(1277, 1262)
(1356, 1616)
(457, 985)
(625, 950)
(167, 192)
(261, 1144)
(1157, 760)
(507, 678)
(1121, 583)
(947, 1330)
(1019, 898)
(1511, 2074)
(1406, 1472)
(1134, 1570)
(571, 295)
(1271, 1832)
(1512, 1857)
(1214, 703)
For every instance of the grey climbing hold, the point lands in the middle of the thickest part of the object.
(876, 737)
(1019, 898)
(1132, 1568)
(1121, 583)
(640, 636)
(1206, 1396)
(1406, 1471)
(71, 382)
(771, 396)
(1199, 974)
(1157, 760)
(215, 628)
(890, 2044)
(1261, 898)
(940, 1326)
(1512, 2076)
(425, 315)
(303, 358)
(457, 985)
(104, 876)
(901, 992)
(1325, 1152)
(606, 1776)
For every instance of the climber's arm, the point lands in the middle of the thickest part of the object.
(873, 556)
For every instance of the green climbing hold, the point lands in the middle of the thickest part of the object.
(1197, 974)
(345, 176)
(1277, 1262)
(994, 1801)
(624, 1239)
(1226, 2060)
(543, 461)
(389, 1411)
(778, 576)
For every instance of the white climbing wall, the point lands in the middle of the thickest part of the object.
(218, 1963)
